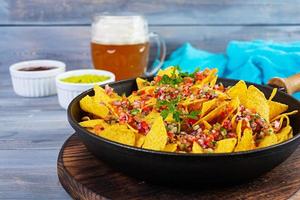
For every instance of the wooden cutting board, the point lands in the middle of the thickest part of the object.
(85, 177)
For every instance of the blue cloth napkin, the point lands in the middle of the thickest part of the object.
(254, 61)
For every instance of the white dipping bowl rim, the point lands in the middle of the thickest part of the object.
(59, 67)
(66, 92)
(35, 83)
(82, 86)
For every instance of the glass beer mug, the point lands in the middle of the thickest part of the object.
(121, 44)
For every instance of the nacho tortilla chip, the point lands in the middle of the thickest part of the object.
(151, 102)
(239, 130)
(225, 145)
(196, 148)
(100, 95)
(213, 81)
(213, 114)
(148, 89)
(131, 128)
(93, 122)
(156, 138)
(210, 77)
(268, 141)
(246, 142)
(233, 105)
(239, 90)
(284, 134)
(285, 114)
(150, 118)
(168, 71)
(276, 108)
(119, 133)
(88, 104)
(208, 106)
(274, 91)
(170, 147)
(133, 98)
(139, 140)
(169, 118)
(141, 83)
(207, 125)
(256, 101)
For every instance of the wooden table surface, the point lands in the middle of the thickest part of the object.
(34, 129)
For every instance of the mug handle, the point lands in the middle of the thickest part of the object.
(160, 56)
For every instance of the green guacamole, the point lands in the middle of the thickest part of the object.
(86, 78)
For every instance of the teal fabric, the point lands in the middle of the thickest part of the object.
(254, 61)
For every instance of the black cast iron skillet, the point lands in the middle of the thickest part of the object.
(164, 167)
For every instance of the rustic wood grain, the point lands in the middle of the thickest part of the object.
(163, 12)
(86, 177)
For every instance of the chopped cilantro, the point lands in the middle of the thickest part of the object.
(134, 111)
(171, 108)
(176, 116)
(193, 115)
(164, 114)
(170, 80)
(223, 131)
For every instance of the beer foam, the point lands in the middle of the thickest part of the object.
(120, 30)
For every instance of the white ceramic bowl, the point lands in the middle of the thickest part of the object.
(68, 91)
(35, 83)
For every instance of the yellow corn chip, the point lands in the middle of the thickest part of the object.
(93, 122)
(148, 89)
(213, 114)
(151, 102)
(168, 71)
(290, 134)
(169, 118)
(274, 91)
(170, 147)
(139, 140)
(151, 117)
(256, 100)
(225, 145)
(131, 128)
(88, 104)
(156, 138)
(208, 106)
(222, 95)
(246, 142)
(276, 108)
(268, 140)
(141, 83)
(133, 98)
(210, 77)
(196, 148)
(207, 125)
(213, 82)
(239, 90)
(233, 106)
(284, 134)
(119, 133)
(239, 130)
(285, 114)
(187, 102)
(100, 95)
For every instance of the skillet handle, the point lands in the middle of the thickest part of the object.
(291, 84)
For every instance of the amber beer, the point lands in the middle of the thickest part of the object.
(124, 60)
(120, 44)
